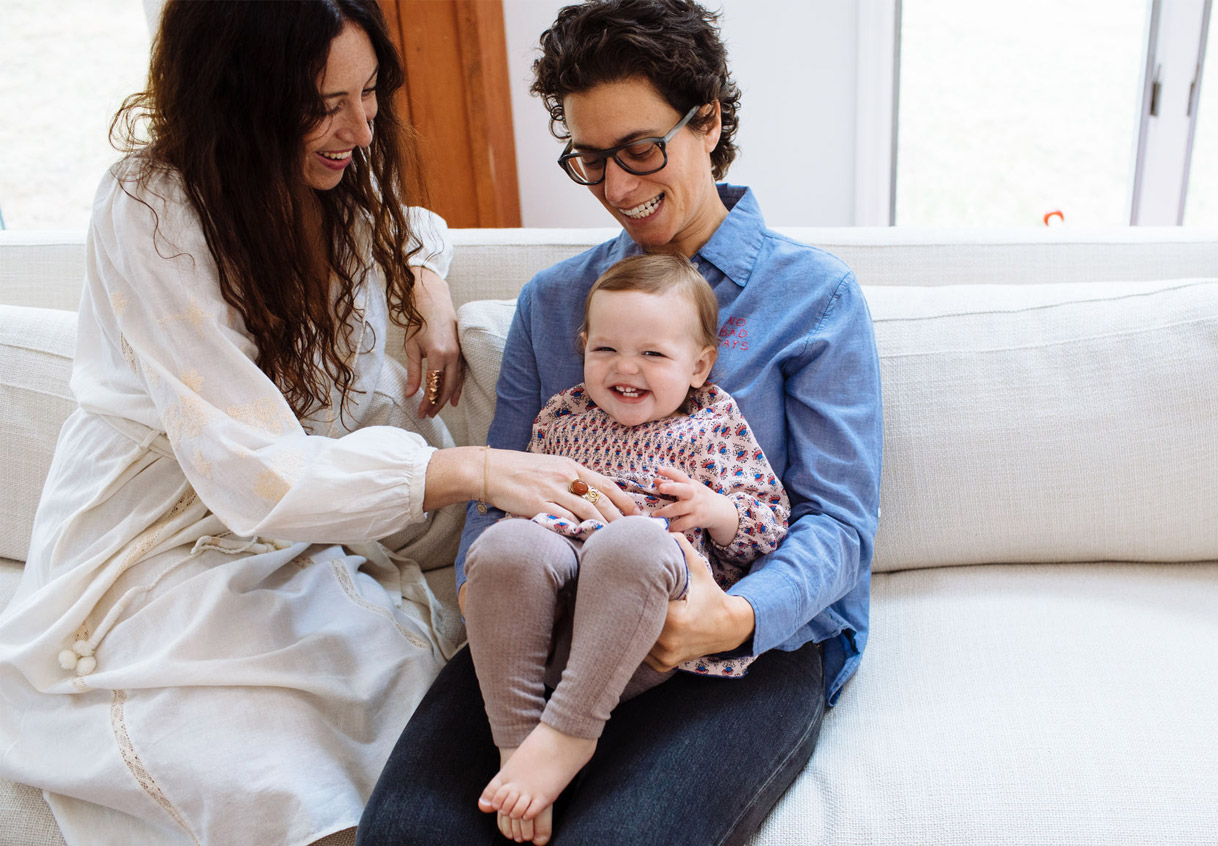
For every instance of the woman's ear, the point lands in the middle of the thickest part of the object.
(702, 367)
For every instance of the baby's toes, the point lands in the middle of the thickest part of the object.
(505, 826)
(514, 804)
(488, 800)
(542, 826)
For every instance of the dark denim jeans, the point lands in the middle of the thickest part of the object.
(696, 761)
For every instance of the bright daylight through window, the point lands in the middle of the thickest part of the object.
(67, 66)
(1012, 111)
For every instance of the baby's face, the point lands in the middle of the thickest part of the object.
(642, 354)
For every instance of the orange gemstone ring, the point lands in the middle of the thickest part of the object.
(578, 487)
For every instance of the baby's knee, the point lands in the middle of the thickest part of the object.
(640, 546)
(516, 551)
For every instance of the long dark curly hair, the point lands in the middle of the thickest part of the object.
(674, 44)
(231, 94)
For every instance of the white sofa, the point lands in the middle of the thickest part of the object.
(1043, 662)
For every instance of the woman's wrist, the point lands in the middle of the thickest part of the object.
(739, 622)
(455, 474)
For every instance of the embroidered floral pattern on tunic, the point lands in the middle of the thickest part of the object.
(264, 414)
(712, 444)
(275, 481)
(192, 379)
(128, 354)
(186, 419)
(132, 759)
(194, 315)
(201, 464)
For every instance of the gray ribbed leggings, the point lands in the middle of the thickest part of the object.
(538, 605)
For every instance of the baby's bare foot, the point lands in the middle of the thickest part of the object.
(536, 773)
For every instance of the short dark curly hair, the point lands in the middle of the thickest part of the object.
(674, 44)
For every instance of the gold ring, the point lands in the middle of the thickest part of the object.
(592, 495)
(578, 487)
(435, 381)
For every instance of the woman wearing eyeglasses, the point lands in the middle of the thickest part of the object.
(641, 91)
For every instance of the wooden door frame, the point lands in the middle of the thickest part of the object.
(458, 99)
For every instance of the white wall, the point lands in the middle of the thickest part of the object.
(795, 62)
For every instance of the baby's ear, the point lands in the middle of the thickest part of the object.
(702, 367)
(582, 340)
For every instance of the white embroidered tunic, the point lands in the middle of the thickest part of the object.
(208, 644)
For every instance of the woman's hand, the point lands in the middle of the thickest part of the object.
(435, 341)
(527, 483)
(704, 622)
(697, 506)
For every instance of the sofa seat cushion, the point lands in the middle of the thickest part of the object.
(27, 818)
(1056, 703)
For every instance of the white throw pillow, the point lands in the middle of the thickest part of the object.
(36, 346)
(1048, 423)
(482, 326)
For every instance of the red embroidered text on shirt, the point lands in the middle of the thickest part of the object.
(733, 334)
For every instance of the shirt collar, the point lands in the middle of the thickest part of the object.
(734, 246)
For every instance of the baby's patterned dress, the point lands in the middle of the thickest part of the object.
(710, 442)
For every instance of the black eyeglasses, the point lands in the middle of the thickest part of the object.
(640, 157)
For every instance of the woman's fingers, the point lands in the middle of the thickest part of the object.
(435, 342)
(613, 501)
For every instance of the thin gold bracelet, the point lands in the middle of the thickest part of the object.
(486, 460)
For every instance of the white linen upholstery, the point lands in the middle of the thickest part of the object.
(483, 269)
(483, 326)
(1048, 423)
(36, 347)
(1064, 704)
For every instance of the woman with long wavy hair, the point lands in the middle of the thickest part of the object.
(210, 643)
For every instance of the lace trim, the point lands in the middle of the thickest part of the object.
(348, 585)
(136, 766)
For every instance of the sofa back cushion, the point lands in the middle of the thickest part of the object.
(1021, 423)
(1048, 423)
(36, 347)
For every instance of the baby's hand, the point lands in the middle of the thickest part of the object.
(696, 506)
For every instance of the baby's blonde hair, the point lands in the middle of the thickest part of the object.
(660, 273)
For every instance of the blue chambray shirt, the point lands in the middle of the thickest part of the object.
(797, 351)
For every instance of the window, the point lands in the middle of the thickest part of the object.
(57, 112)
(1201, 203)
(1083, 112)
(1011, 112)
